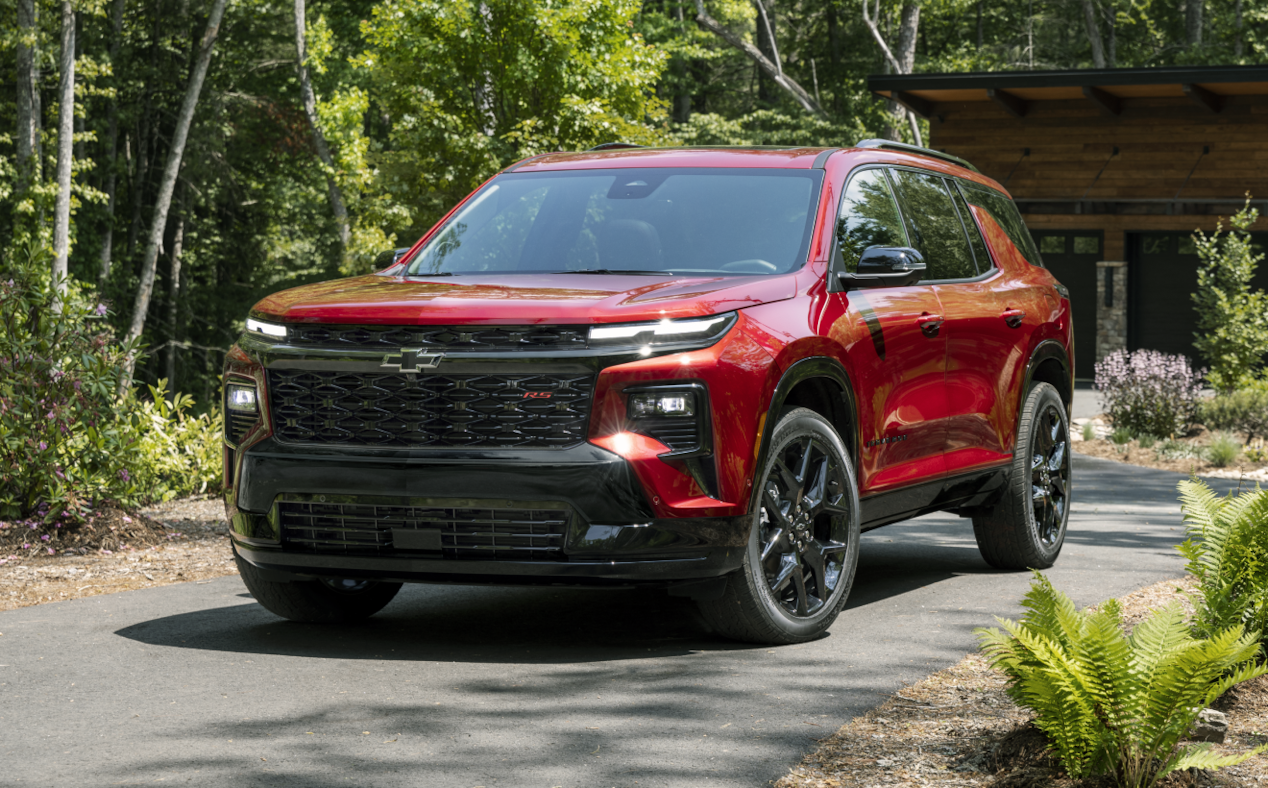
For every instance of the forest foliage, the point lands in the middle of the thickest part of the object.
(415, 102)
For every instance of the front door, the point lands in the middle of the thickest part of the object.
(895, 347)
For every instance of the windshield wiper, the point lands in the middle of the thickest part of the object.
(637, 271)
(428, 276)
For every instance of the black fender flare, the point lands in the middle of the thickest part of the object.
(1044, 351)
(801, 371)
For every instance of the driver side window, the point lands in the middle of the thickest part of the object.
(869, 217)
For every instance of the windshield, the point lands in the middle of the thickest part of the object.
(667, 221)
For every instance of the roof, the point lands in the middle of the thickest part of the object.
(1205, 85)
(762, 157)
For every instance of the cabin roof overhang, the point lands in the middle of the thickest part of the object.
(1015, 91)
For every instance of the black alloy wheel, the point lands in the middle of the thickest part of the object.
(802, 527)
(1050, 474)
(804, 540)
(1025, 527)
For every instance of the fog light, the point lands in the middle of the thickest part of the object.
(241, 399)
(648, 404)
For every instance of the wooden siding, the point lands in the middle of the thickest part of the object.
(1159, 142)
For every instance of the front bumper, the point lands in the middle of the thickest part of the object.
(611, 537)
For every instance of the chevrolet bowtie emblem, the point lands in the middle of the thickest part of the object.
(411, 361)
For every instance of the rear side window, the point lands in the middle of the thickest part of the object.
(935, 226)
(868, 218)
(1006, 215)
(984, 262)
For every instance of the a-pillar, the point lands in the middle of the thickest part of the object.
(1111, 307)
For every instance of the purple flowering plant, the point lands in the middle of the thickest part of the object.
(1149, 392)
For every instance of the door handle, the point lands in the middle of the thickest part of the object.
(929, 324)
(1013, 317)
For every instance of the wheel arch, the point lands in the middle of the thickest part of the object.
(822, 385)
(1049, 363)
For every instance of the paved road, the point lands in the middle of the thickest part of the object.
(509, 687)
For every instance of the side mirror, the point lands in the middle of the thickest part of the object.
(885, 266)
(389, 257)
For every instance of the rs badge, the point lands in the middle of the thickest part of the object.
(411, 361)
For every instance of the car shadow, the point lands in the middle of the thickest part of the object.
(524, 625)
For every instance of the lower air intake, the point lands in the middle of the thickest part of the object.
(478, 532)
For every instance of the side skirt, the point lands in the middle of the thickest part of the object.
(961, 493)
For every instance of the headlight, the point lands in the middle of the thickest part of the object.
(269, 330)
(241, 399)
(692, 333)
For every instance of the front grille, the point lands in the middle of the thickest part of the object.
(237, 425)
(365, 528)
(447, 338)
(430, 410)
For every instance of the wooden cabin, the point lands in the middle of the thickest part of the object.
(1113, 169)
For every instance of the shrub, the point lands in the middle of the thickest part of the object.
(1146, 441)
(1121, 436)
(63, 438)
(1227, 550)
(1112, 704)
(1089, 432)
(1232, 320)
(1148, 392)
(1245, 410)
(1223, 450)
(177, 453)
(1175, 450)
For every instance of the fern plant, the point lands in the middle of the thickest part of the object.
(1112, 704)
(1227, 550)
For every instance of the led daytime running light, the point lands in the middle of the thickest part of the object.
(267, 329)
(664, 328)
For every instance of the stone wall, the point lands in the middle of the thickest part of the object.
(1111, 319)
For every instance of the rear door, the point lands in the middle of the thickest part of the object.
(895, 347)
(979, 340)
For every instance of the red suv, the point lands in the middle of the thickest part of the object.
(703, 369)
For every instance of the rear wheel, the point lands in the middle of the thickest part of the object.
(324, 601)
(1026, 527)
(804, 540)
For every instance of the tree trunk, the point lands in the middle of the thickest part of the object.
(767, 46)
(28, 98)
(323, 152)
(1111, 43)
(900, 63)
(786, 82)
(112, 146)
(834, 53)
(1193, 22)
(65, 149)
(140, 174)
(1093, 34)
(173, 301)
(168, 185)
(1239, 44)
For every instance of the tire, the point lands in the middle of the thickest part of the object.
(1026, 527)
(777, 597)
(317, 601)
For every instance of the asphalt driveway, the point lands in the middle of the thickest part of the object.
(195, 683)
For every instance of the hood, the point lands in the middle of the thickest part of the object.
(526, 299)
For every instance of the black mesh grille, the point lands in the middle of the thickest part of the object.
(429, 410)
(468, 533)
(447, 338)
(237, 425)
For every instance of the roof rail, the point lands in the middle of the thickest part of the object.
(615, 146)
(937, 154)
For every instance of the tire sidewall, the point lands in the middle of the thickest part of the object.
(793, 425)
(1040, 395)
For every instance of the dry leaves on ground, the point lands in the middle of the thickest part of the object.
(959, 728)
(174, 542)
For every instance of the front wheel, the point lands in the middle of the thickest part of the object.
(803, 544)
(325, 601)
(1026, 527)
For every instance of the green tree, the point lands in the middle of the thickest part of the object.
(1232, 319)
(470, 87)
